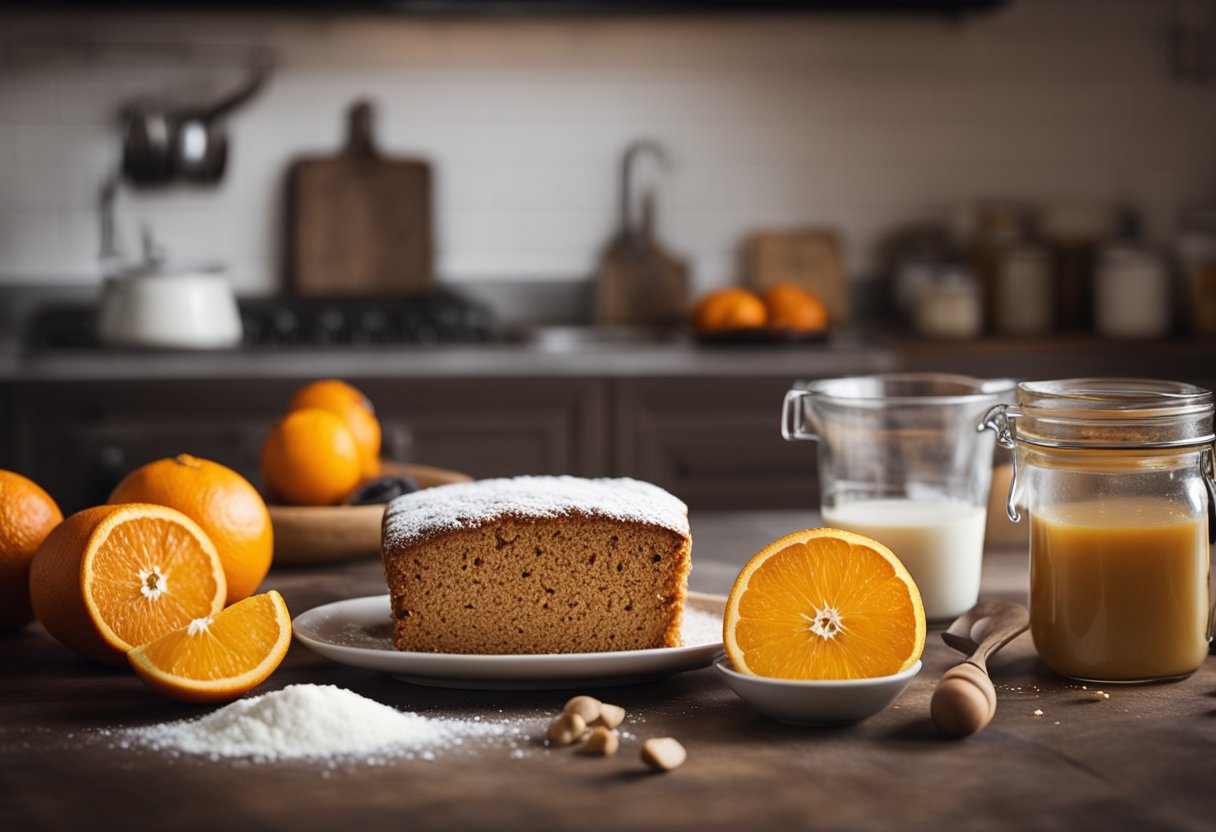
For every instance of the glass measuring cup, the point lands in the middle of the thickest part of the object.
(901, 461)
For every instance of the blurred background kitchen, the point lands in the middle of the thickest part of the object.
(498, 218)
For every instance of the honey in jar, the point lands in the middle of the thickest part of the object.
(1119, 588)
(1116, 475)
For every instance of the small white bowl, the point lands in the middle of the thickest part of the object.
(827, 702)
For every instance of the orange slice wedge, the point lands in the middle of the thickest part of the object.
(111, 577)
(824, 604)
(219, 657)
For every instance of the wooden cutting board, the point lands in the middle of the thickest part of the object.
(359, 223)
(639, 283)
(812, 258)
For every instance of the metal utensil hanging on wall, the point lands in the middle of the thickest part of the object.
(164, 143)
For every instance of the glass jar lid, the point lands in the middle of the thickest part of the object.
(1110, 413)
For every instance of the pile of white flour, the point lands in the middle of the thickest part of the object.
(320, 722)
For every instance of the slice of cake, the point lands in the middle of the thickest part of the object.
(537, 565)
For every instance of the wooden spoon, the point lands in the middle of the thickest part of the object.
(965, 700)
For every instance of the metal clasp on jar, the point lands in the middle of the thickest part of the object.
(1002, 419)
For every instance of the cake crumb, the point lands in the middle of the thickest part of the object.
(1038, 711)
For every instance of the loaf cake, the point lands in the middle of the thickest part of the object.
(537, 565)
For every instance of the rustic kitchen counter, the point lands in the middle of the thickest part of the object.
(1141, 759)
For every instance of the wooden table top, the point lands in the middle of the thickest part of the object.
(1142, 759)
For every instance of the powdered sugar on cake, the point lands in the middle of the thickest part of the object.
(432, 511)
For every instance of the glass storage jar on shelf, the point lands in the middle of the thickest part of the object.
(1133, 297)
(1197, 251)
(1023, 285)
(1117, 476)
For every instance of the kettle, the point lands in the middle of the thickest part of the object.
(152, 305)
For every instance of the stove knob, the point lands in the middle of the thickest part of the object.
(370, 328)
(331, 319)
(285, 325)
(426, 335)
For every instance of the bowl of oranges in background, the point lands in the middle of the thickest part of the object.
(783, 313)
(325, 481)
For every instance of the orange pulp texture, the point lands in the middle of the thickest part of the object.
(220, 657)
(824, 604)
(113, 577)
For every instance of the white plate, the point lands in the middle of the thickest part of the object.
(359, 633)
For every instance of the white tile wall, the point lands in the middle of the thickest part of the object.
(863, 123)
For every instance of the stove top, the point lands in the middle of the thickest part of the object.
(442, 318)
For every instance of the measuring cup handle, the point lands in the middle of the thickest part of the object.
(791, 418)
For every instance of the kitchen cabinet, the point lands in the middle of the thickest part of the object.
(701, 422)
(78, 439)
(714, 442)
(492, 427)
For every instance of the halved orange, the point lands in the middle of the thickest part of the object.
(112, 577)
(824, 604)
(220, 657)
(226, 506)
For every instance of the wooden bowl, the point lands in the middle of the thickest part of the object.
(305, 535)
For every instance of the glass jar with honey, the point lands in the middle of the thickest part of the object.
(1117, 477)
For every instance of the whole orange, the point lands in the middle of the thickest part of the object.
(349, 404)
(310, 458)
(27, 515)
(728, 309)
(224, 503)
(792, 307)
